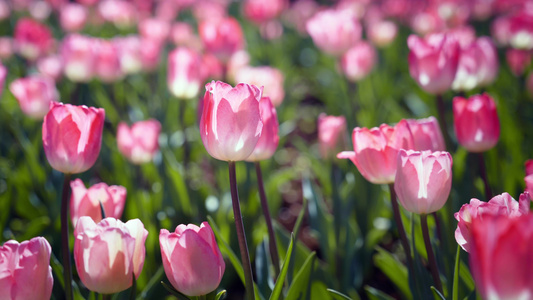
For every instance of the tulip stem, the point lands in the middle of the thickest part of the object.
(245, 256)
(264, 204)
(401, 229)
(483, 174)
(431, 256)
(65, 252)
(441, 108)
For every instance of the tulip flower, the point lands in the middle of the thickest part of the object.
(50, 66)
(212, 67)
(182, 34)
(78, 57)
(184, 73)
(73, 16)
(423, 180)
(191, 259)
(503, 205)
(34, 95)
(427, 134)
(121, 13)
(155, 29)
(150, 54)
(32, 39)
(270, 78)
(500, 258)
(107, 60)
(478, 65)
(231, 122)
(518, 60)
(86, 202)
(376, 150)
(109, 254)
(381, 33)
(476, 122)
(433, 61)
(25, 271)
(259, 11)
(331, 134)
(222, 37)
(358, 61)
(72, 136)
(140, 142)
(130, 55)
(268, 142)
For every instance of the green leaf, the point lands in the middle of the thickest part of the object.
(177, 294)
(338, 295)
(276, 293)
(465, 275)
(437, 294)
(394, 270)
(455, 292)
(301, 284)
(221, 295)
(375, 294)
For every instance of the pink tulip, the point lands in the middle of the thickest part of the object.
(73, 17)
(222, 37)
(121, 13)
(476, 122)
(270, 78)
(184, 73)
(212, 67)
(500, 258)
(382, 32)
(50, 66)
(191, 258)
(6, 48)
(129, 49)
(182, 34)
(32, 39)
(25, 271)
(139, 143)
(107, 61)
(427, 134)
(34, 95)
(259, 11)
(86, 202)
(423, 180)
(331, 134)
(154, 29)
(5, 11)
(502, 204)
(231, 122)
(299, 12)
(72, 136)
(109, 254)
(358, 61)
(376, 150)
(3, 75)
(433, 61)
(478, 65)
(78, 57)
(518, 60)
(529, 166)
(334, 31)
(269, 140)
(238, 61)
(521, 29)
(150, 54)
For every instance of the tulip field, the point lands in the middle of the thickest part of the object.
(281, 149)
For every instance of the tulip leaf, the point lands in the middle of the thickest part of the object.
(177, 294)
(437, 294)
(394, 270)
(301, 284)
(263, 276)
(221, 295)
(375, 294)
(455, 291)
(338, 295)
(276, 293)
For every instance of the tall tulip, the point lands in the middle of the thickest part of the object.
(191, 259)
(184, 73)
(140, 142)
(331, 134)
(34, 95)
(427, 134)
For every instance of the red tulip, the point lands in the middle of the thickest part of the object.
(358, 61)
(191, 258)
(140, 142)
(72, 136)
(184, 75)
(427, 134)
(376, 150)
(270, 78)
(25, 271)
(268, 142)
(34, 95)
(476, 122)
(231, 122)
(32, 39)
(222, 37)
(331, 134)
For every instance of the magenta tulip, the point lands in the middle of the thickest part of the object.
(32, 39)
(427, 134)
(184, 75)
(109, 254)
(231, 122)
(191, 258)
(476, 122)
(331, 134)
(34, 95)
(25, 271)
(478, 65)
(72, 136)
(268, 142)
(139, 143)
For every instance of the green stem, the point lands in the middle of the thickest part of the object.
(401, 229)
(431, 256)
(245, 256)
(65, 252)
(483, 174)
(264, 204)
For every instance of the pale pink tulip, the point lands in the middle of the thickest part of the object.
(34, 95)
(5, 10)
(51, 66)
(427, 134)
(478, 65)
(268, 77)
(269, 140)
(130, 53)
(150, 54)
(382, 33)
(155, 29)
(139, 143)
(78, 57)
(358, 61)
(6, 48)
(121, 13)
(184, 75)
(191, 259)
(73, 17)
(107, 61)
(331, 135)
(222, 37)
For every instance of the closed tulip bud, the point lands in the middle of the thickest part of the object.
(433, 61)
(423, 180)
(73, 17)
(222, 37)
(503, 205)
(231, 122)
(25, 271)
(86, 202)
(334, 31)
(476, 122)
(51, 66)
(427, 134)
(358, 61)
(109, 254)
(139, 143)
(500, 258)
(270, 78)
(331, 134)
(184, 73)
(34, 95)
(191, 259)
(268, 142)
(72, 136)
(376, 150)
(107, 62)
(78, 57)
(32, 39)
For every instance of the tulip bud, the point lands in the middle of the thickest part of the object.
(86, 202)
(231, 122)
(25, 270)
(32, 39)
(34, 95)
(358, 61)
(72, 136)
(270, 78)
(118, 248)
(140, 142)
(222, 37)
(427, 134)
(191, 258)
(476, 122)
(268, 142)
(331, 134)
(184, 73)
